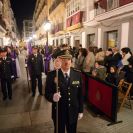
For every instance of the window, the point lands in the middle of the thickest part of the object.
(112, 38)
(73, 7)
(61, 41)
(90, 40)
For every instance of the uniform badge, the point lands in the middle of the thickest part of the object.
(67, 52)
(75, 82)
(32, 58)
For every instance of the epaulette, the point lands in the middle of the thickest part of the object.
(76, 70)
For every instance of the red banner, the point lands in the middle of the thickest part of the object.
(100, 95)
(124, 2)
(103, 4)
(75, 19)
(69, 22)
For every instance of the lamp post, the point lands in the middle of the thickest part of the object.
(34, 37)
(47, 27)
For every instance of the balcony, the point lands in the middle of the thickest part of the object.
(113, 9)
(40, 10)
(103, 6)
(2, 22)
(57, 28)
(55, 4)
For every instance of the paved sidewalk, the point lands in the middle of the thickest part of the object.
(25, 114)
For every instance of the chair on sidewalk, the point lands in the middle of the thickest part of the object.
(124, 93)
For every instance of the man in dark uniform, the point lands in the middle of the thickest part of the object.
(69, 97)
(35, 66)
(6, 73)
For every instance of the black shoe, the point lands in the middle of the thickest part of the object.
(10, 98)
(130, 98)
(4, 98)
(33, 95)
(41, 94)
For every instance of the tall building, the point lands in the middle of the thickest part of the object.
(39, 17)
(57, 16)
(101, 23)
(8, 27)
(28, 29)
(75, 16)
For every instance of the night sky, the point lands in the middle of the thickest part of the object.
(23, 9)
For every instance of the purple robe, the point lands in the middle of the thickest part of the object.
(47, 59)
(29, 48)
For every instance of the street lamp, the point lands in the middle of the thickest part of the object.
(34, 37)
(47, 27)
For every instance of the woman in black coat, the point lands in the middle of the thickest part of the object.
(129, 73)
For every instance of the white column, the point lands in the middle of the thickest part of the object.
(59, 41)
(64, 40)
(99, 37)
(72, 40)
(83, 39)
(124, 34)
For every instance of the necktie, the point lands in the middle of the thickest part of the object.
(66, 79)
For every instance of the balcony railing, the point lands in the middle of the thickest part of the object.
(54, 5)
(102, 6)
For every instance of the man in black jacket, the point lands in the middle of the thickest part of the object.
(69, 97)
(35, 66)
(6, 72)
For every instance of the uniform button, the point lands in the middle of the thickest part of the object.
(69, 99)
(69, 93)
(69, 105)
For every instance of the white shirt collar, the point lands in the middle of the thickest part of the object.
(35, 55)
(68, 72)
(4, 58)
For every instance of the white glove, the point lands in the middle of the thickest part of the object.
(43, 73)
(80, 116)
(56, 97)
(12, 76)
(25, 65)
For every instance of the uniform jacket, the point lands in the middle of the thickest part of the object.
(73, 94)
(114, 60)
(35, 64)
(6, 70)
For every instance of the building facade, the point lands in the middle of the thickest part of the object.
(28, 29)
(8, 27)
(39, 17)
(57, 16)
(109, 23)
(101, 23)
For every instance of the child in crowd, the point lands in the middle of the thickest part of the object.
(99, 71)
(112, 76)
